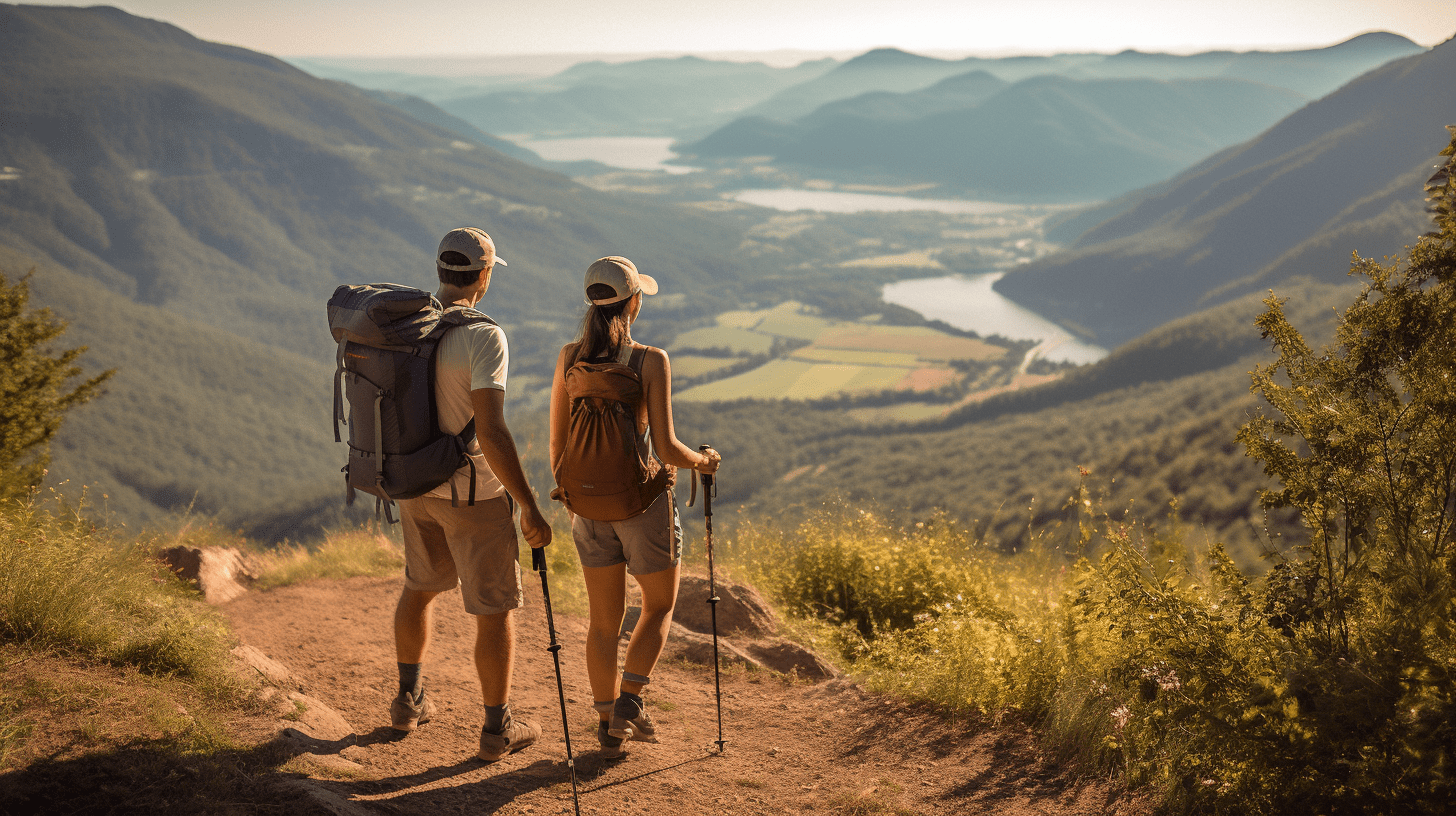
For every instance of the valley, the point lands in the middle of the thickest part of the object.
(1066, 407)
(774, 272)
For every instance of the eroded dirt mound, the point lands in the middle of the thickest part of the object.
(793, 746)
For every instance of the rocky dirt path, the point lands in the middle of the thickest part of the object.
(793, 746)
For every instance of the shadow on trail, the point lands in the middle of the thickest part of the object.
(156, 776)
(1011, 765)
(399, 794)
(601, 766)
(921, 726)
(488, 795)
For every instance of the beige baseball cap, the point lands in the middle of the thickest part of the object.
(621, 275)
(471, 242)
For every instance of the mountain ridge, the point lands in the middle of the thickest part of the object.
(1355, 157)
(1119, 134)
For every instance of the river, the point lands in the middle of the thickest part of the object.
(968, 302)
(627, 152)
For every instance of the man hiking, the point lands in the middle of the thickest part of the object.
(456, 541)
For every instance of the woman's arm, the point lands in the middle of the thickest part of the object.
(657, 388)
(560, 409)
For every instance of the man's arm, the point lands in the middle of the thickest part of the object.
(499, 448)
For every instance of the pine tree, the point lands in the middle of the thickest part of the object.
(35, 388)
(1364, 446)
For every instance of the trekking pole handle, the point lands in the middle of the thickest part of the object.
(706, 477)
(538, 559)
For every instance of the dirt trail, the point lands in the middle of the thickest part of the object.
(793, 747)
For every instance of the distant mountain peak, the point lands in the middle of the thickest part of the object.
(880, 57)
(1379, 39)
(976, 78)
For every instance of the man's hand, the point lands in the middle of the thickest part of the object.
(534, 527)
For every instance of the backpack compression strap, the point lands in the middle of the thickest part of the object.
(339, 391)
(466, 434)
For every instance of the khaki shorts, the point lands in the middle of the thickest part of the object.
(646, 543)
(473, 547)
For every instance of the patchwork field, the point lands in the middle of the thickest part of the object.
(696, 365)
(736, 340)
(839, 358)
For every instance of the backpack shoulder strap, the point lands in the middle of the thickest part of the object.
(635, 362)
(465, 316)
(449, 319)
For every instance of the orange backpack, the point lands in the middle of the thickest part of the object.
(603, 474)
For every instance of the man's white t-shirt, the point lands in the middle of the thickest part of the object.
(469, 357)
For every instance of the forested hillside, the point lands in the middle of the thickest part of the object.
(189, 207)
(1341, 174)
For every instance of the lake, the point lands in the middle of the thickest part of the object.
(833, 201)
(969, 303)
(627, 152)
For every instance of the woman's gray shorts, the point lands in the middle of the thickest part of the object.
(646, 543)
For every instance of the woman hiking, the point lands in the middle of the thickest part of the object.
(614, 455)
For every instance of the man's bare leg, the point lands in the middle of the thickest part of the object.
(495, 647)
(412, 625)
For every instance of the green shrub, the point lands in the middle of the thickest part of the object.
(853, 568)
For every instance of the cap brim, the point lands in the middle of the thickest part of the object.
(497, 261)
(649, 284)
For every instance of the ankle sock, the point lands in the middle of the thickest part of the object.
(496, 716)
(409, 679)
(629, 706)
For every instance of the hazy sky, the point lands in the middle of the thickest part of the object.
(296, 28)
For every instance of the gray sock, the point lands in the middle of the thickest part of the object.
(496, 716)
(629, 706)
(409, 679)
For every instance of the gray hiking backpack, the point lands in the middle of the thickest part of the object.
(387, 336)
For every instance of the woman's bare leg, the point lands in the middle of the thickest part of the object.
(606, 590)
(659, 596)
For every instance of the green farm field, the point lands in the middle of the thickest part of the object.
(794, 379)
(737, 340)
(696, 365)
(840, 358)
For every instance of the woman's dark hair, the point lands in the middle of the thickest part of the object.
(603, 329)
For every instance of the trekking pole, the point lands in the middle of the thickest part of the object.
(538, 563)
(708, 491)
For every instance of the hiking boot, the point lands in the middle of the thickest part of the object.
(638, 728)
(407, 713)
(513, 736)
(611, 746)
